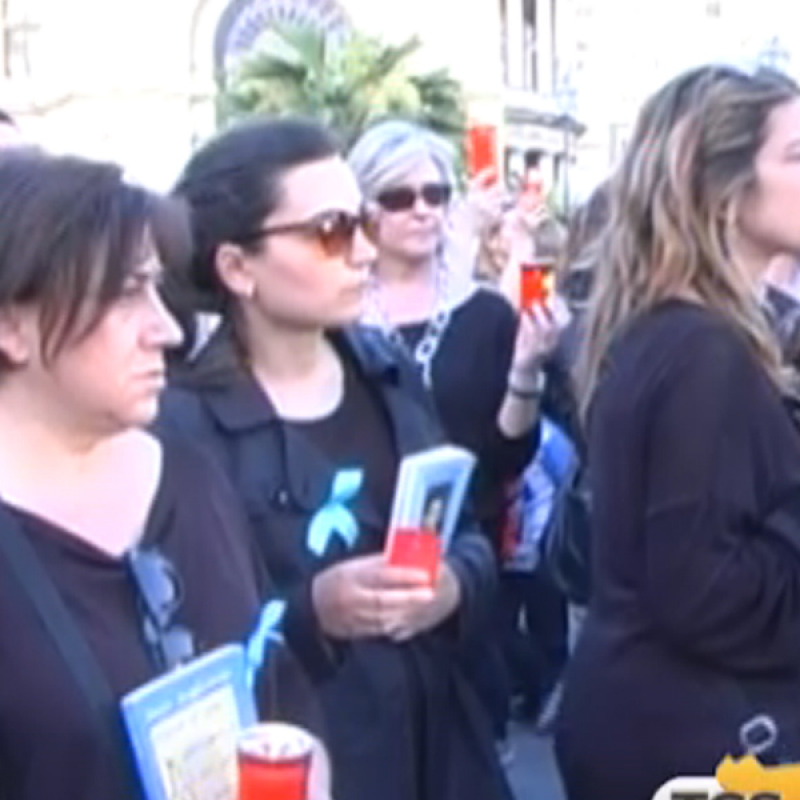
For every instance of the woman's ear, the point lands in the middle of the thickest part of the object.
(18, 335)
(235, 271)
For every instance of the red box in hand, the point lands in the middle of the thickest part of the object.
(417, 548)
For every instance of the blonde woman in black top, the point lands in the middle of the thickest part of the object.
(691, 646)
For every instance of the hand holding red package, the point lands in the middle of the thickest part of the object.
(407, 622)
(353, 598)
(429, 495)
(538, 334)
(536, 283)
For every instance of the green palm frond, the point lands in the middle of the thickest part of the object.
(443, 107)
(308, 42)
(264, 67)
(346, 83)
(386, 60)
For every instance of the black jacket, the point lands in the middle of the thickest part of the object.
(403, 723)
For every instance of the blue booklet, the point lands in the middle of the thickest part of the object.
(184, 727)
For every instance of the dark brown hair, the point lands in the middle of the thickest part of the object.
(71, 232)
(230, 185)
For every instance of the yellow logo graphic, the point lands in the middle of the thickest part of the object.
(743, 778)
(738, 779)
(748, 778)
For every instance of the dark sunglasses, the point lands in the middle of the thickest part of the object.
(334, 231)
(160, 596)
(403, 198)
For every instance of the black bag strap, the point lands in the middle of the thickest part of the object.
(60, 625)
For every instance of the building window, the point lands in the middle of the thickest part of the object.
(18, 29)
(530, 34)
(245, 20)
(529, 44)
(5, 40)
(504, 55)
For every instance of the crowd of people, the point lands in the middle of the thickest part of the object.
(206, 397)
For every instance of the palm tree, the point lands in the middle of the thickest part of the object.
(347, 82)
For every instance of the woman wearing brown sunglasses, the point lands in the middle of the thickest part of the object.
(309, 414)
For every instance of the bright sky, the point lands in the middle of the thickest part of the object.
(634, 46)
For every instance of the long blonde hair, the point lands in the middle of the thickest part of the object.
(673, 205)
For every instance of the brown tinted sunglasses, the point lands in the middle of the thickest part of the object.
(333, 231)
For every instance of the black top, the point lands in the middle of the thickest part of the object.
(370, 450)
(470, 378)
(403, 721)
(694, 625)
(48, 747)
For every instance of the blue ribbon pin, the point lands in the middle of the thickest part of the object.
(334, 518)
(267, 630)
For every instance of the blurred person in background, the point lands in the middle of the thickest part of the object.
(691, 646)
(533, 610)
(494, 249)
(581, 248)
(532, 235)
(577, 260)
(537, 650)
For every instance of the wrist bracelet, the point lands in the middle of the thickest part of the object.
(524, 394)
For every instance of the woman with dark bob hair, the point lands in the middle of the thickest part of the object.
(309, 414)
(134, 541)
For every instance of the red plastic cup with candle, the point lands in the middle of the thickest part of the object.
(274, 762)
(536, 282)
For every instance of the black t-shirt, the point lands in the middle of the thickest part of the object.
(470, 378)
(368, 446)
(48, 745)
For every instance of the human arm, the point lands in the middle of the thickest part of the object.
(537, 336)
